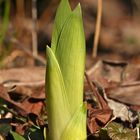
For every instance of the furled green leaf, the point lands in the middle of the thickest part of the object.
(65, 76)
(70, 54)
(17, 136)
(76, 128)
(62, 14)
(57, 103)
(118, 132)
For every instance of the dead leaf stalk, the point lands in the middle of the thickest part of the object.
(97, 29)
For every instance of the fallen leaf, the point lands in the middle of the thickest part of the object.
(32, 76)
(97, 118)
(128, 95)
(119, 110)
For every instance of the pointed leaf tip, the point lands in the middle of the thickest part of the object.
(77, 9)
(63, 12)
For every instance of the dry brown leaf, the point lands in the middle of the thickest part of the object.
(129, 95)
(31, 76)
(98, 118)
(107, 73)
(120, 110)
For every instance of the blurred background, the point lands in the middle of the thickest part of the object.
(26, 28)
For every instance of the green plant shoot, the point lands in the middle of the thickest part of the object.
(65, 76)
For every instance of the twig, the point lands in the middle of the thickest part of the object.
(97, 28)
(34, 30)
(27, 51)
(94, 90)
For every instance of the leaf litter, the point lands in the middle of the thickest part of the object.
(116, 96)
(119, 88)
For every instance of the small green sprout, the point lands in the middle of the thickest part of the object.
(65, 76)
